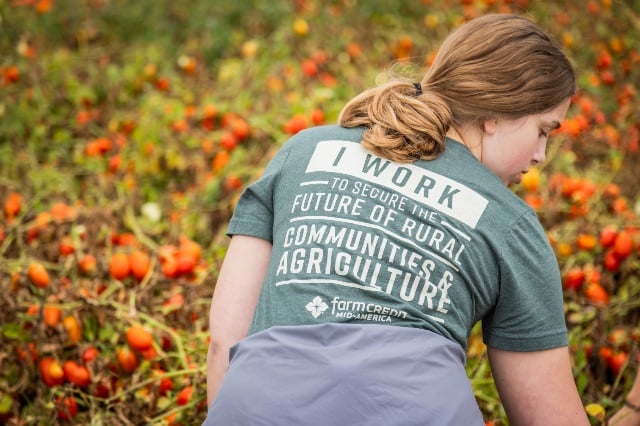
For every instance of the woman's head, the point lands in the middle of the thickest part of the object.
(499, 66)
(492, 67)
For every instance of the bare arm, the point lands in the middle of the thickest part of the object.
(537, 388)
(233, 303)
(626, 416)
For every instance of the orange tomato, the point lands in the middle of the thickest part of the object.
(586, 242)
(295, 124)
(51, 371)
(317, 116)
(240, 128)
(126, 239)
(184, 395)
(531, 180)
(564, 249)
(354, 49)
(12, 74)
(170, 267)
(607, 77)
(619, 205)
(586, 106)
(220, 160)
(535, 201)
(167, 251)
(32, 310)
(170, 419)
(623, 245)
(55, 371)
(77, 374)
(593, 274)
(73, 327)
(66, 246)
(119, 266)
(149, 353)
(309, 68)
(597, 294)
(189, 246)
(231, 183)
(51, 315)
(228, 141)
(114, 163)
(12, 204)
(175, 301)
(185, 263)
(139, 338)
(38, 275)
(140, 263)
(403, 47)
(611, 190)
(87, 264)
(127, 359)
(210, 111)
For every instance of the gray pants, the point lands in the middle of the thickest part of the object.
(345, 374)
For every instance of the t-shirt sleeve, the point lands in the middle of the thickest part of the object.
(253, 213)
(529, 314)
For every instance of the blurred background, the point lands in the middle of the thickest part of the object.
(128, 128)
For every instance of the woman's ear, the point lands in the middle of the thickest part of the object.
(490, 126)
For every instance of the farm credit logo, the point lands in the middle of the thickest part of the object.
(317, 307)
(351, 309)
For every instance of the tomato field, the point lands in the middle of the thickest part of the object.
(128, 129)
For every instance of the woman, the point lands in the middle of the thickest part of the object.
(361, 259)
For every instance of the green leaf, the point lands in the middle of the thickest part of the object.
(13, 331)
(582, 381)
(90, 328)
(107, 333)
(5, 403)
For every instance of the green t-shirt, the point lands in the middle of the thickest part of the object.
(437, 244)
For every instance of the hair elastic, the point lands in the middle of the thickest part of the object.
(418, 87)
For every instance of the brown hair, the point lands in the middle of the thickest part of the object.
(494, 66)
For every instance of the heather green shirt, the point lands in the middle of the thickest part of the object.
(437, 245)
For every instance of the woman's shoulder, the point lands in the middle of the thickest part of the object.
(328, 132)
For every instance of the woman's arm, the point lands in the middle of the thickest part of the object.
(233, 303)
(537, 388)
(626, 415)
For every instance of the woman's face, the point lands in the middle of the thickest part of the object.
(510, 147)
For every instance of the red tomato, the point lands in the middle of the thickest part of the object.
(623, 245)
(617, 361)
(608, 236)
(574, 278)
(67, 407)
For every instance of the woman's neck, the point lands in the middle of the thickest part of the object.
(470, 136)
